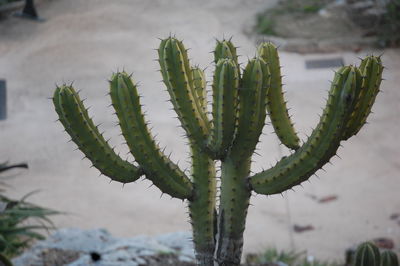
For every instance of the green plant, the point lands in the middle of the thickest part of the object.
(240, 103)
(389, 30)
(265, 25)
(272, 255)
(389, 258)
(15, 233)
(368, 254)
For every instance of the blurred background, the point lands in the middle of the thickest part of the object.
(84, 41)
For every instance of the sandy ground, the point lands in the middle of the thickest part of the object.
(85, 40)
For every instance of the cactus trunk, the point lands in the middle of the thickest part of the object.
(242, 99)
(202, 206)
(234, 202)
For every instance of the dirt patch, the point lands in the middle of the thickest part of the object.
(327, 27)
(58, 257)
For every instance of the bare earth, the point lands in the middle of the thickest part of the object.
(85, 40)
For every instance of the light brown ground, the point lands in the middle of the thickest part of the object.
(85, 40)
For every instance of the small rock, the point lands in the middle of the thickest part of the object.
(327, 199)
(385, 243)
(76, 247)
(301, 228)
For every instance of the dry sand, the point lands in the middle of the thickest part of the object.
(85, 40)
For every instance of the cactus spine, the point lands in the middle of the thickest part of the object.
(241, 101)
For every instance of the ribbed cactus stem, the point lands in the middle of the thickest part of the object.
(276, 104)
(158, 168)
(320, 146)
(234, 203)
(371, 76)
(367, 254)
(389, 258)
(178, 78)
(202, 206)
(77, 123)
(253, 91)
(225, 104)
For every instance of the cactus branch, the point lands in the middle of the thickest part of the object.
(199, 83)
(276, 104)
(253, 91)
(85, 134)
(225, 103)
(158, 168)
(371, 70)
(320, 146)
(178, 77)
(202, 205)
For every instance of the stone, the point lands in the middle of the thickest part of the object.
(76, 247)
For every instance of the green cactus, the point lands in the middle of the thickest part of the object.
(241, 101)
(367, 254)
(389, 258)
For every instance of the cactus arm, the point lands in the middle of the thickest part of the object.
(235, 194)
(320, 146)
(224, 111)
(254, 87)
(234, 203)
(202, 206)
(77, 123)
(199, 83)
(158, 168)
(178, 78)
(276, 104)
(371, 69)
(226, 50)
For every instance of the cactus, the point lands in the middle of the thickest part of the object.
(368, 254)
(389, 258)
(242, 98)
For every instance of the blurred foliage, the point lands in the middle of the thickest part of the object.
(301, 6)
(3, 2)
(265, 21)
(265, 25)
(389, 34)
(21, 222)
(272, 256)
